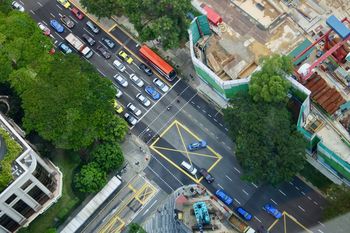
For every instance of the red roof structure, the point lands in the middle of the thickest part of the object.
(327, 97)
(213, 17)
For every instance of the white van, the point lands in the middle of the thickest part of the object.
(189, 168)
(117, 64)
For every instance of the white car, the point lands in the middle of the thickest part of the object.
(46, 31)
(132, 120)
(133, 109)
(119, 93)
(136, 80)
(17, 6)
(143, 100)
(120, 80)
(160, 85)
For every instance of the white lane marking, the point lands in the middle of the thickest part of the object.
(226, 129)
(282, 192)
(111, 66)
(228, 177)
(59, 35)
(31, 11)
(308, 197)
(257, 219)
(220, 124)
(301, 208)
(315, 203)
(88, 32)
(302, 193)
(215, 120)
(161, 178)
(39, 4)
(209, 115)
(290, 183)
(246, 193)
(193, 102)
(220, 186)
(321, 224)
(254, 185)
(204, 111)
(21, 2)
(96, 53)
(273, 201)
(59, 7)
(101, 72)
(320, 231)
(131, 69)
(297, 188)
(237, 201)
(237, 170)
(45, 23)
(198, 107)
(155, 201)
(73, 19)
(52, 15)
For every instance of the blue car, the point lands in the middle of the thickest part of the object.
(224, 197)
(197, 145)
(152, 92)
(56, 25)
(272, 210)
(244, 214)
(65, 48)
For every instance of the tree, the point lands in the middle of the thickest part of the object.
(5, 6)
(101, 8)
(267, 146)
(338, 201)
(108, 156)
(90, 179)
(115, 130)
(269, 83)
(136, 228)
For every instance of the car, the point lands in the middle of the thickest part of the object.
(207, 176)
(120, 80)
(108, 42)
(56, 25)
(104, 52)
(130, 119)
(271, 209)
(118, 108)
(67, 21)
(117, 64)
(88, 39)
(152, 92)
(189, 168)
(164, 88)
(197, 145)
(124, 56)
(145, 69)
(224, 197)
(64, 48)
(119, 93)
(133, 109)
(15, 5)
(46, 30)
(77, 13)
(64, 3)
(143, 100)
(244, 214)
(136, 80)
(92, 27)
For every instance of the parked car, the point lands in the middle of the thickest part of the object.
(56, 25)
(118, 107)
(134, 109)
(152, 92)
(64, 48)
(244, 214)
(108, 42)
(119, 93)
(146, 69)
(92, 27)
(207, 176)
(189, 168)
(164, 88)
(88, 39)
(125, 57)
(46, 30)
(103, 51)
(117, 64)
(224, 197)
(271, 209)
(64, 3)
(143, 100)
(130, 119)
(197, 145)
(67, 21)
(15, 5)
(120, 80)
(136, 80)
(76, 12)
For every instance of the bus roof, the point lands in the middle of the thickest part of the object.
(158, 61)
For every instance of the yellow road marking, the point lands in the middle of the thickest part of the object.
(183, 143)
(149, 193)
(111, 28)
(284, 220)
(189, 152)
(285, 214)
(132, 188)
(273, 224)
(297, 222)
(167, 129)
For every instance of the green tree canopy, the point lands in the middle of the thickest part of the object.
(136, 228)
(338, 201)
(115, 131)
(269, 83)
(102, 8)
(108, 156)
(90, 179)
(267, 145)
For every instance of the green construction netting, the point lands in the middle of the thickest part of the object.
(195, 32)
(204, 25)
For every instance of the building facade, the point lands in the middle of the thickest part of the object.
(35, 185)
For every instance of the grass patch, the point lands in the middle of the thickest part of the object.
(57, 213)
(315, 177)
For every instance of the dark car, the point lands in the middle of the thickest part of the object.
(146, 69)
(108, 42)
(103, 51)
(207, 176)
(197, 145)
(76, 12)
(244, 214)
(65, 48)
(67, 21)
(130, 119)
(88, 39)
(92, 27)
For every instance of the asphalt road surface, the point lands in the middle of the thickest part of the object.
(202, 120)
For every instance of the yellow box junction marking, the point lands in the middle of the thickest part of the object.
(285, 214)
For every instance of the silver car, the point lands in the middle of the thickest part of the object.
(133, 109)
(143, 100)
(160, 85)
(120, 80)
(136, 80)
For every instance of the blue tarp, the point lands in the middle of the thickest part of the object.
(338, 26)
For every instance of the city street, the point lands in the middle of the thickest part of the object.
(189, 117)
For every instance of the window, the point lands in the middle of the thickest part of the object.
(38, 195)
(11, 198)
(24, 209)
(26, 184)
(8, 223)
